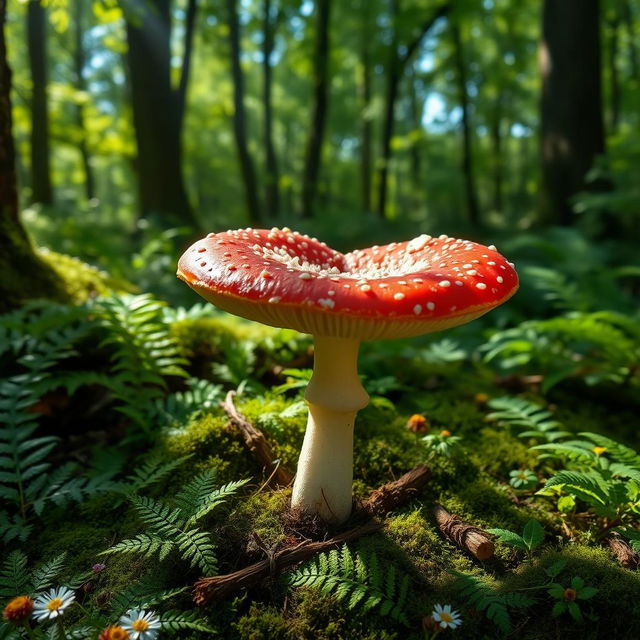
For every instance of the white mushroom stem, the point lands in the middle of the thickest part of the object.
(334, 395)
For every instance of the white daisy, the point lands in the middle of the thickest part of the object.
(141, 624)
(445, 617)
(52, 604)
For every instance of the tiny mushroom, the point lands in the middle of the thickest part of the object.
(285, 279)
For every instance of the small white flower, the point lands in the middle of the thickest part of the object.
(445, 617)
(52, 604)
(141, 624)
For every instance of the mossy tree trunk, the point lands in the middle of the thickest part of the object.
(22, 274)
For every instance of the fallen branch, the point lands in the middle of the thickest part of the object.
(624, 554)
(393, 494)
(382, 500)
(465, 536)
(257, 444)
(208, 589)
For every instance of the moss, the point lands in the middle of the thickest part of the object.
(311, 617)
(80, 280)
(25, 275)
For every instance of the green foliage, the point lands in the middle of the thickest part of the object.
(174, 530)
(518, 413)
(358, 579)
(566, 597)
(443, 443)
(173, 621)
(144, 352)
(16, 578)
(600, 346)
(483, 597)
(531, 538)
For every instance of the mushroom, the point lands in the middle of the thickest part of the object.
(284, 279)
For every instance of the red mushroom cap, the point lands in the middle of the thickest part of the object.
(285, 279)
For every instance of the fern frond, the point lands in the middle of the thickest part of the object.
(172, 621)
(205, 498)
(357, 580)
(586, 485)
(144, 544)
(151, 472)
(519, 413)
(197, 548)
(44, 575)
(14, 575)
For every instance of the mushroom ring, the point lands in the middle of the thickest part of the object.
(286, 279)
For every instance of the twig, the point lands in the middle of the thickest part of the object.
(257, 444)
(382, 500)
(392, 494)
(624, 554)
(208, 589)
(469, 538)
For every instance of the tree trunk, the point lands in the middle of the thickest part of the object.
(498, 164)
(24, 275)
(396, 65)
(365, 94)
(320, 103)
(81, 85)
(187, 53)
(156, 114)
(572, 124)
(415, 150)
(41, 190)
(627, 16)
(614, 76)
(473, 211)
(272, 200)
(239, 121)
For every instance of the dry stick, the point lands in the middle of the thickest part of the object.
(469, 538)
(624, 554)
(384, 499)
(257, 444)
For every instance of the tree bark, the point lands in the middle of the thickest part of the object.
(320, 103)
(572, 123)
(24, 275)
(614, 76)
(187, 54)
(239, 120)
(473, 210)
(465, 536)
(81, 85)
(396, 65)
(497, 150)
(272, 200)
(41, 189)
(627, 16)
(365, 93)
(156, 115)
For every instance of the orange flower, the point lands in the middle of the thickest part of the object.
(18, 609)
(417, 423)
(114, 633)
(481, 398)
(599, 450)
(445, 432)
(570, 594)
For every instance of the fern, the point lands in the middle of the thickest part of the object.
(484, 598)
(143, 594)
(357, 580)
(180, 406)
(173, 621)
(536, 421)
(174, 529)
(151, 472)
(17, 579)
(144, 352)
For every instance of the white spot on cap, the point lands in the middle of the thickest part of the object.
(481, 285)
(431, 306)
(491, 262)
(274, 300)
(471, 272)
(500, 279)
(459, 283)
(444, 283)
(417, 309)
(331, 293)
(492, 247)
(265, 274)
(327, 303)
(305, 276)
(398, 296)
(365, 287)
(417, 243)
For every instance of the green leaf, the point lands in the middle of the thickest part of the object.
(509, 537)
(532, 534)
